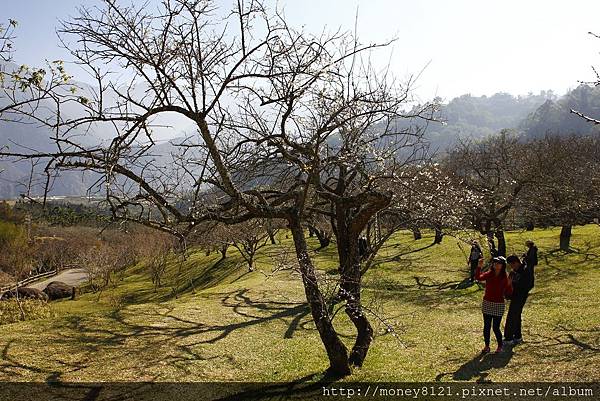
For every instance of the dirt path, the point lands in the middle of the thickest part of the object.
(72, 277)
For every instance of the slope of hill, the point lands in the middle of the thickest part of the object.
(476, 117)
(29, 136)
(230, 325)
(555, 117)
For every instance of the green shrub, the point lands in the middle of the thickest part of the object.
(32, 308)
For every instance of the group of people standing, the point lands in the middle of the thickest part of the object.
(499, 286)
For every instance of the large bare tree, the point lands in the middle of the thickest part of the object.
(285, 124)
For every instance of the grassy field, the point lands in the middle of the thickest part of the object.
(230, 325)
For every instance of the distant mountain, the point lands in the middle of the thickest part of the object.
(555, 117)
(29, 136)
(466, 116)
(476, 117)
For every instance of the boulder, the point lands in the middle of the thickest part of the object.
(25, 293)
(59, 290)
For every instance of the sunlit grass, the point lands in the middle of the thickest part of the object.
(216, 321)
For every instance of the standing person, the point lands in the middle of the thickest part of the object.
(522, 279)
(474, 257)
(530, 258)
(497, 286)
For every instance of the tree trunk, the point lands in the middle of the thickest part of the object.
(223, 251)
(350, 286)
(529, 226)
(501, 242)
(324, 239)
(416, 233)
(439, 235)
(271, 233)
(565, 238)
(335, 348)
(491, 243)
(324, 242)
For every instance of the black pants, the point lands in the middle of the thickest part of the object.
(474, 264)
(487, 325)
(512, 328)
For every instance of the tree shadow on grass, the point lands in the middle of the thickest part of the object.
(426, 283)
(255, 312)
(307, 386)
(154, 327)
(565, 344)
(426, 291)
(479, 367)
(218, 273)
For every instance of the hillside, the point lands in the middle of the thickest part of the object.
(466, 116)
(555, 117)
(230, 325)
(478, 117)
(30, 136)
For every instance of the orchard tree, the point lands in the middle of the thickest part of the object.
(496, 169)
(319, 226)
(210, 237)
(283, 121)
(565, 188)
(424, 195)
(248, 238)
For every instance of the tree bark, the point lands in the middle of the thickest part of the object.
(439, 235)
(565, 238)
(336, 350)
(324, 239)
(271, 233)
(223, 251)
(499, 234)
(416, 233)
(350, 286)
(491, 243)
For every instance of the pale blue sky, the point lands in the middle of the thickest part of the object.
(468, 46)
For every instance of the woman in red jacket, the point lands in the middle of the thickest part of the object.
(497, 286)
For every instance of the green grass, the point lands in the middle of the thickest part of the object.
(227, 324)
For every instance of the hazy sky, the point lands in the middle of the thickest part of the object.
(469, 46)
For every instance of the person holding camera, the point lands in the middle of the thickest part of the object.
(497, 286)
(522, 280)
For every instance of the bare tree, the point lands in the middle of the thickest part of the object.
(495, 169)
(285, 122)
(248, 238)
(424, 196)
(320, 227)
(157, 253)
(564, 191)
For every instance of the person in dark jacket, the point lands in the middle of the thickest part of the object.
(497, 287)
(474, 257)
(530, 258)
(521, 278)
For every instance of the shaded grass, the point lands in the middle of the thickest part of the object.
(229, 324)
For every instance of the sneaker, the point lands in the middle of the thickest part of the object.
(518, 340)
(485, 350)
(498, 350)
